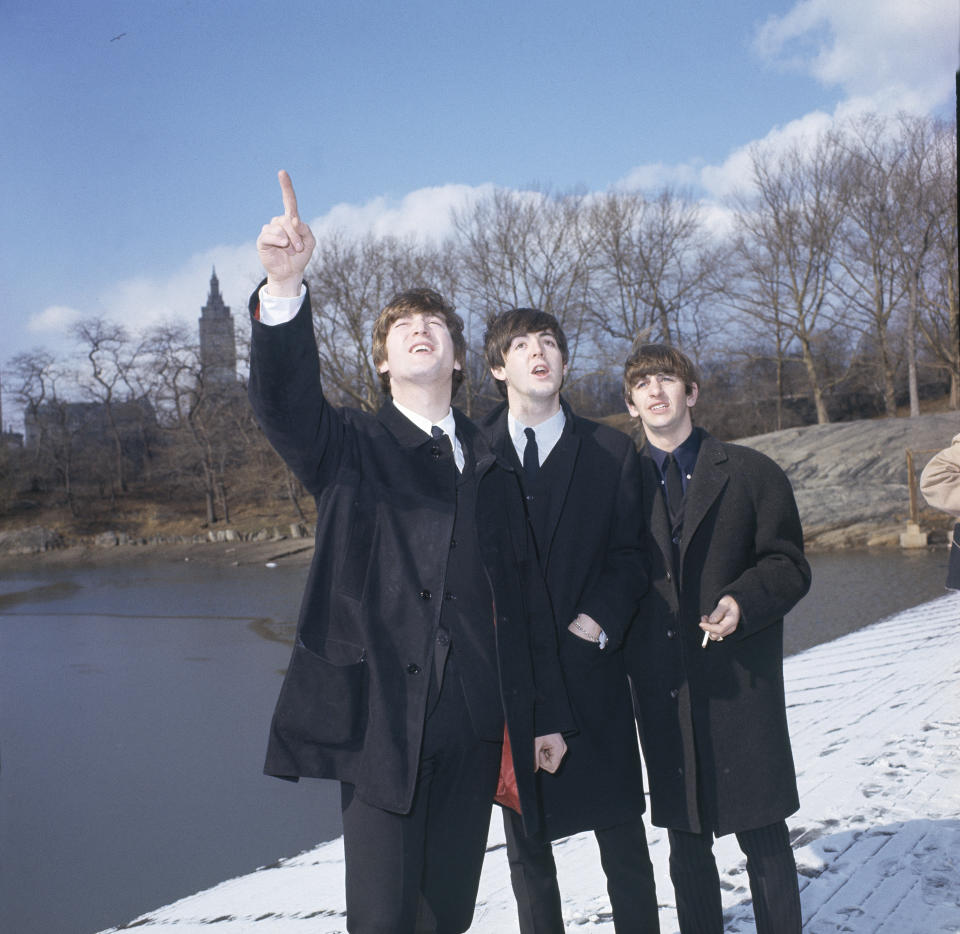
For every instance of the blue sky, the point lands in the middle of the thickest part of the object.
(130, 165)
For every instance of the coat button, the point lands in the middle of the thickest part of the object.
(443, 637)
(425, 595)
(669, 576)
(449, 596)
(435, 452)
(676, 539)
(674, 692)
(670, 634)
(413, 669)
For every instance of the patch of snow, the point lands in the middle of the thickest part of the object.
(875, 724)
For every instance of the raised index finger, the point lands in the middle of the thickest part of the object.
(289, 198)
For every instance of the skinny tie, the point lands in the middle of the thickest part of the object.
(674, 490)
(531, 455)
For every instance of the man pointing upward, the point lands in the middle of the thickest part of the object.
(403, 679)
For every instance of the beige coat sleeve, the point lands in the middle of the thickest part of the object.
(940, 480)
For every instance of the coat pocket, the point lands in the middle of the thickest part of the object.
(323, 699)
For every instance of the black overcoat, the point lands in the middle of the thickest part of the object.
(741, 536)
(593, 564)
(353, 701)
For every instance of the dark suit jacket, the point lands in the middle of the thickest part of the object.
(593, 563)
(353, 702)
(741, 536)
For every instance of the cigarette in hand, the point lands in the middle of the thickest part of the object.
(706, 639)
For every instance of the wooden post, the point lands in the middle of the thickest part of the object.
(912, 486)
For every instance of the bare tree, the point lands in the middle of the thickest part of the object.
(869, 278)
(788, 231)
(202, 445)
(51, 422)
(351, 280)
(527, 249)
(915, 234)
(107, 348)
(655, 268)
(939, 317)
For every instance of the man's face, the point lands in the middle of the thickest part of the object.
(661, 402)
(419, 349)
(533, 366)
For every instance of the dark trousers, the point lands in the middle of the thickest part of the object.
(771, 870)
(420, 871)
(626, 863)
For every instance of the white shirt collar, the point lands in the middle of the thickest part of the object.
(548, 434)
(448, 423)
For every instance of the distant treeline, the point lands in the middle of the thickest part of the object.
(828, 289)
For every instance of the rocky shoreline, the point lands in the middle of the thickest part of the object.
(24, 548)
(850, 480)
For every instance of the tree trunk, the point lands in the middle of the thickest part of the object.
(912, 347)
(823, 417)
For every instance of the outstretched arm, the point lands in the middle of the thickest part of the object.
(285, 245)
(285, 389)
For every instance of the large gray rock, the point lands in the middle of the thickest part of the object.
(850, 478)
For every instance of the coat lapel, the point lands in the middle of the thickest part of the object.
(705, 486)
(565, 452)
(407, 434)
(474, 444)
(494, 430)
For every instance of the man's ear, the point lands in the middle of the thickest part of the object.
(693, 395)
(384, 367)
(499, 372)
(457, 365)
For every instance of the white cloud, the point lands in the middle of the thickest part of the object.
(54, 320)
(143, 301)
(885, 55)
(898, 54)
(424, 212)
(734, 172)
(657, 175)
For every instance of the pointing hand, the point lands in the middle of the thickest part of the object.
(285, 245)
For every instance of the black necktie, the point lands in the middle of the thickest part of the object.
(531, 456)
(441, 439)
(674, 490)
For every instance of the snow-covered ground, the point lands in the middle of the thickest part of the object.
(875, 722)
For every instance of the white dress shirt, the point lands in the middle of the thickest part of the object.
(447, 424)
(548, 434)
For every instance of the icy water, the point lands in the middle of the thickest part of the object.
(134, 706)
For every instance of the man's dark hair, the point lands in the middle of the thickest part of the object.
(650, 359)
(504, 327)
(412, 302)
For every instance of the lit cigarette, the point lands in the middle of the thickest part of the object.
(706, 639)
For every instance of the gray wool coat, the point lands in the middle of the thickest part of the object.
(712, 720)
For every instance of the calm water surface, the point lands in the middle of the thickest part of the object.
(134, 707)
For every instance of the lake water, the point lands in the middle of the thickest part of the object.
(134, 707)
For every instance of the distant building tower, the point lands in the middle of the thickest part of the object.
(218, 346)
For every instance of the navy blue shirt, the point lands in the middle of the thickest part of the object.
(685, 454)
